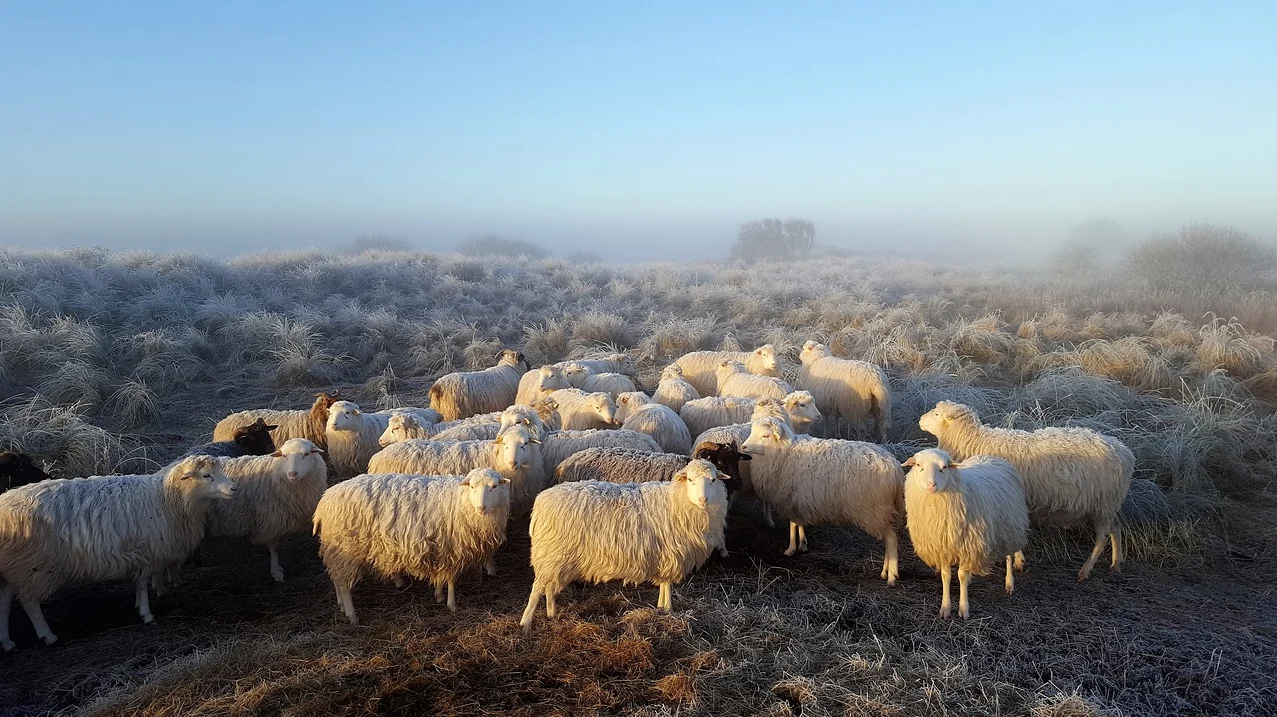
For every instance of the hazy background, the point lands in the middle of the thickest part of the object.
(634, 130)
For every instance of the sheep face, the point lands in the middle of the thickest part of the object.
(931, 470)
(201, 478)
(628, 402)
(255, 439)
(515, 447)
(671, 372)
(302, 459)
(605, 407)
(728, 368)
(624, 364)
(488, 491)
(812, 352)
(725, 457)
(552, 378)
(801, 407)
(576, 374)
(943, 415)
(344, 416)
(767, 435)
(399, 428)
(522, 416)
(701, 482)
(766, 355)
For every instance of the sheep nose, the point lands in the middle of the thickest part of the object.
(702, 501)
(483, 510)
(931, 487)
(292, 475)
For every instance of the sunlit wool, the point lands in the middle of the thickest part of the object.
(540, 383)
(613, 384)
(735, 380)
(700, 368)
(354, 435)
(309, 424)
(856, 391)
(579, 410)
(705, 413)
(1072, 476)
(578, 370)
(488, 430)
(673, 390)
(737, 433)
(467, 393)
(637, 412)
(558, 445)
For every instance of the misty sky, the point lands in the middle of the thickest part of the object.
(631, 128)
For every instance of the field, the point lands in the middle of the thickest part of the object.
(114, 362)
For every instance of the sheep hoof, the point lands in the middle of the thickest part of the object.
(789, 551)
(944, 613)
(50, 639)
(891, 581)
(963, 614)
(8, 645)
(527, 627)
(1083, 575)
(148, 619)
(722, 552)
(279, 576)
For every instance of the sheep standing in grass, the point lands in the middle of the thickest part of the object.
(673, 390)
(59, 532)
(515, 454)
(19, 469)
(735, 380)
(579, 410)
(700, 368)
(645, 532)
(250, 440)
(636, 412)
(540, 383)
(737, 433)
(816, 481)
(355, 436)
(276, 497)
(1072, 476)
(855, 391)
(310, 424)
(559, 445)
(431, 528)
(706, 413)
(966, 514)
(467, 393)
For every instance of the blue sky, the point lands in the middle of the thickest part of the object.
(633, 127)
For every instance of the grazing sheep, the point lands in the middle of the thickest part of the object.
(308, 424)
(355, 436)
(969, 514)
(276, 497)
(643, 532)
(609, 383)
(636, 412)
(734, 380)
(515, 454)
(700, 368)
(540, 383)
(19, 469)
(559, 445)
(579, 410)
(429, 527)
(58, 532)
(1072, 476)
(817, 481)
(467, 393)
(250, 440)
(673, 390)
(706, 413)
(855, 391)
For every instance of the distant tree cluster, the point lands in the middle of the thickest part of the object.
(495, 245)
(1090, 248)
(375, 242)
(774, 239)
(1203, 259)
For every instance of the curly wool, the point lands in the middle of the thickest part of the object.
(579, 410)
(540, 383)
(700, 368)
(702, 414)
(855, 391)
(737, 433)
(557, 446)
(467, 393)
(489, 429)
(613, 384)
(673, 390)
(735, 380)
(656, 420)
(350, 449)
(309, 424)
(611, 363)
(619, 465)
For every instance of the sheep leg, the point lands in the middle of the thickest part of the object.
(722, 550)
(767, 515)
(143, 599)
(157, 584)
(1115, 537)
(667, 596)
(793, 539)
(551, 606)
(347, 602)
(452, 595)
(964, 579)
(1019, 560)
(891, 561)
(36, 616)
(275, 571)
(945, 578)
(802, 538)
(1101, 540)
(6, 603)
(490, 567)
(530, 611)
(175, 575)
(1010, 581)
(438, 592)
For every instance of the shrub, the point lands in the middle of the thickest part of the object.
(494, 245)
(1203, 261)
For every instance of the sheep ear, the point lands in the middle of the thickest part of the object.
(503, 481)
(909, 463)
(270, 427)
(277, 454)
(951, 464)
(321, 451)
(746, 457)
(681, 476)
(537, 441)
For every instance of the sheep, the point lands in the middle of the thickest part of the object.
(251, 440)
(737, 433)
(855, 391)
(19, 469)
(308, 424)
(486, 431)
(579, 410)
(431, 528)
(515, 454)
(277, 495)
(354, 436)
(577, 370)
(559, 445)
(735, 380)
(706, 413)
(405, 427)
(969, 514)
(466, 393)
(814, 481)
(540, 383)
(700, 368)
(673, 390)
(1072, 476)
(58, 532)
(636, 412)
(609, 383)
(643, 532)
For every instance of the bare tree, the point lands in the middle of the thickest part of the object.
(774, 239)
(1203, 260)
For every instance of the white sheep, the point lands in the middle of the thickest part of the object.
(619, 465)
(579, 410)
(577, 370)
(515, 454)
(486, 431)
(406, 427)
(735, 380)
(637, 412)
(540, 383)
(277, 494)
(700, 368)
(1072, 476)
(736, 434)
(855, 391)
(309, 424)
(817, 481)
(706, 413)
(431, 528)
(966, 514)
(58, 532)
(673, 390)
(637, 533)
(354, 435)
(613, 384)
(467, 393)
(558, 445)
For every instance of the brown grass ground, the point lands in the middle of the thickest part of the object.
(755, 634)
